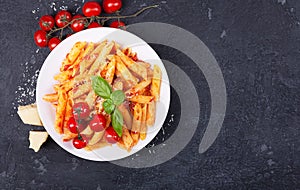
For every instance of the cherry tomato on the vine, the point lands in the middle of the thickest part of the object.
(111, 6)
(68, 35)
(46, 22)
(111, 135)
(94, 25)
(40, 38)
(78, 25)
(98, 123)
(62, 18)
(91, 8)
(80, 141)
(53, 42)
(117, 24)
(81, 110)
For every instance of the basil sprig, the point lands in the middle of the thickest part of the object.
(112, 100)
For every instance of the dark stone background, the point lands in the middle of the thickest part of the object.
(259, 144)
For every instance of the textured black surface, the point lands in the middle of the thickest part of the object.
(257, 45)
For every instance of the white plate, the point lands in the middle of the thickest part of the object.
(51, 67)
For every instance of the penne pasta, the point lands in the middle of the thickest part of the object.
(83, 53)
(67, 85)
(63, 76)
(90, 59)
(87, 131)
(51, 97)
(81, 90)
(60, 111)
(127, 139)
(90, 99)
(126, 116)
(69, 111)
(156, 82)
(151, 112)
(141, 99)
(125, 73)
(136, 123)
(127, 61)
(132, 65)
(139, 87)
(139, 69)
(100, 61)
(110, 71)
(56, 87)
(97, 136)
(72, 55)
(98, 145)
(143, 123)
(68, 135)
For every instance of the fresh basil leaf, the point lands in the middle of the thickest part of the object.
(101, 87)
(118, 97)
(108, 106)
(117, 121)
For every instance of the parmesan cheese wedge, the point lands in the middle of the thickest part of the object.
(29, 115)
(36, 139)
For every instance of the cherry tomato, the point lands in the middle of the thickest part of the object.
(53, 42)
(78, 25)
(81, 110)
(40, 38)
(111, 135)
(68, 35)
(46, 22)
(91, 8)
(117, 24)
(111, 6)
(81, 124)
(76, 126)
(98, 123)
(62, 18)
(80, 142)
(72, 125)
(94, 25)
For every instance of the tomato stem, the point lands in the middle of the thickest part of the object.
(61, 33)
(79, 136)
